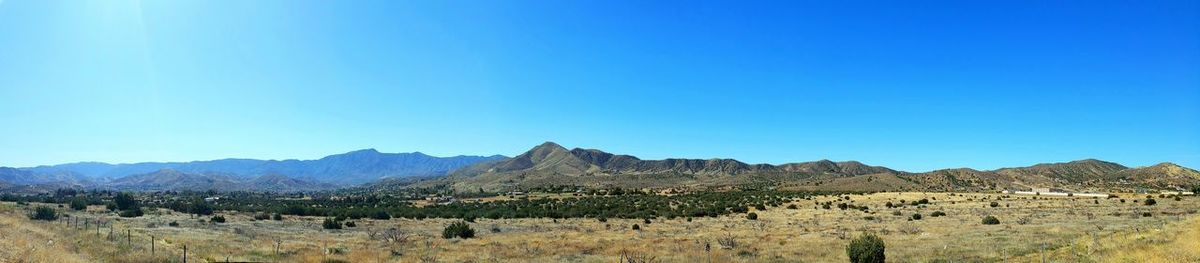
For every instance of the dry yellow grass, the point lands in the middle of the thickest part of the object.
(807, 234)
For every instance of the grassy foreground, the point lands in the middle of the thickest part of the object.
(1060, 229)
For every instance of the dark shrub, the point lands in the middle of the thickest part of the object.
(646, 221)
(994, 204)
(44, 213)
(1146, 214)
(78, 204)
(991, 220)
(866, 248)
(130, 213)
(602, 220)
(173, 223)
(916, 217)
(937, 214)
(351, 224)
(752, 216)
(458, 229)
(381, 215)
(218, 219)
(125, 201)
(896, 213)
(277, 217)
(329, 223)
(760, 207)
(1150, 201)
(262, 216)
(636, 227)
(792, 206)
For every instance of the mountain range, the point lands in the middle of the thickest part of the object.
(550, 165)
(347, 169)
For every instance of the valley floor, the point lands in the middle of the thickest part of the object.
(1065, 229)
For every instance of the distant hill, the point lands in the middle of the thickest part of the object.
(168, 179)
(350, 168)
(550, 164)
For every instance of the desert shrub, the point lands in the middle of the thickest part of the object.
(760, 207)
(351, 224)
(44, 213)
(825, 206)
(752, 216)
(923, 201)
(937, 214)
(636, 227)
(130, 213)
(173, 223)
(916, 217)
(867, 248)
(329, 223)
(78, 204)
(1150, 201)
(217, 219)
(869, 218)
(896, 213)
(1177, 198)
(199, 207)
(792, 206)
(458, 229)
(1146, 214)
(262, 216)
(381, 215)
(888, 205)
(994, 204)
(602, 220)
(991, 220)
(277, 217)
(125, 201)
(843, 206)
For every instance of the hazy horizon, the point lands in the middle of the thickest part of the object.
(979, 85)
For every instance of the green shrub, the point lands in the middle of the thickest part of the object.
(896, 213)
(381, 215)
(991, 220)
(752, 216)
(867, 248)
(44, 213)
(130, 213)
(636, 227)
(916, 217)
(78, 204)
(173, 223)
(262, 216)
(937, 214)
(218, 219)
(277, 217)
(1150, 201)
(1146, 214)
(351, 224)
(994, 204)
(329, 223)
(458, 229)
(792, 206)
(602, 220)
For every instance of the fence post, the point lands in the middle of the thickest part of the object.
(184, 253)
(128, 238)
(151, 245)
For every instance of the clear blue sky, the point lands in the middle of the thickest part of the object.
(914, 86)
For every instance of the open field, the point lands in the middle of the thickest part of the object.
(1067, 229)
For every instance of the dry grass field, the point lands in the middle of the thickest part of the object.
(1062, 229)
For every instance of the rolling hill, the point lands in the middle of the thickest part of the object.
(550, 164)
(350, 168)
